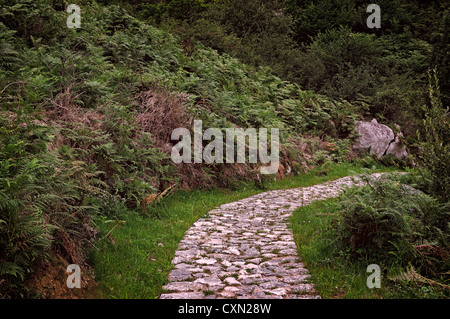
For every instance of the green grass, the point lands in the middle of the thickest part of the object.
(332, 277)
(134, 260)
(332, 274)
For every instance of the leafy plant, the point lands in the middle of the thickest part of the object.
(435, 155)
(386, 222)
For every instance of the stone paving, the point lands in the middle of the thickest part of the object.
(246, 250)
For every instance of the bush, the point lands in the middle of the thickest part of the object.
(435, 155)
(386, 221)
(40, 203)
(364, 68)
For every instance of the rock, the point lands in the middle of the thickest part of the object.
(251, 266)
(179, 275)
(258, 293)
(379, 138)
(256, 261)
(183, 286)
(252, 252)
(233, 250)
(295, 279)
(373, 136)
(206, 261)
(183, 295)
(272, 284)
(232, 281)
(302, 288)
(226, 294)
(213, 282)
(396, 148)
(231, 289)
(278, 291)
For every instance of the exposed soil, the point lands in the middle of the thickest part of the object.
(50, 281)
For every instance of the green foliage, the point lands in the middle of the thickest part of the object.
(8, 54)
(440, 40)
(255, 32)
(338, 276)
(38, 202)
(363, 68)
(312, 18)
(383, 67)
(386, 222)
(325, 46)
(398, 16)
(435, 155)
(76, 140)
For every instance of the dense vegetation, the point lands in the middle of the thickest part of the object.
(326, 45)
(86, 114)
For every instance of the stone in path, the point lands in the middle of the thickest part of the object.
(246, 250)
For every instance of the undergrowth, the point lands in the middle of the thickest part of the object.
(85, 121)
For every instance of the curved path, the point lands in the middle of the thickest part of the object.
(246, 249)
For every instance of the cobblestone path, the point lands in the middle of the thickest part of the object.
(246, 250)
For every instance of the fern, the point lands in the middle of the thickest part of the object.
(383, 219)
(411, 274)
(9, 56)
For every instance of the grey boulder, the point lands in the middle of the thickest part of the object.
(379, 139)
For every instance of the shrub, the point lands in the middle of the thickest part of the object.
(40, 204)
(361, 67)
(386, 221)
(435, 155)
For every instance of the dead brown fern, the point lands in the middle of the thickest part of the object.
(410, 274)
(159, 113)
